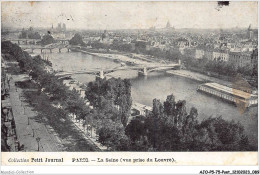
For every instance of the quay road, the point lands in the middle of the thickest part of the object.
(27, 128)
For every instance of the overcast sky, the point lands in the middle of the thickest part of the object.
(129, 15)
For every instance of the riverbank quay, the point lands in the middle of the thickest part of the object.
(27, 128)
(199, 77)
(238, 82)
(133, 56)
(189, 75)
(124, 58)
(89, 133)
(41, 123)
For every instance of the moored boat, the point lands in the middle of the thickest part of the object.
(229, 94)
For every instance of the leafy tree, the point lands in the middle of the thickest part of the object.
(77, 40)
(157, 108)
(47, 39)
(34, 35)
(135, 129)
(180, 113)
(225, 135)
(112, 135)
(111, 96)
(169, 108)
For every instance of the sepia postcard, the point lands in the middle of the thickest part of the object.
(120, 83)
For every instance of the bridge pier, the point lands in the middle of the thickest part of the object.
(145, 71)
(101, 74)
(32, 50)
(18, 42)
(68, 50)
(41, 50)
(59, 50)
(82, 93)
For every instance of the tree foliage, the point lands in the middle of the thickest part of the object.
(30, 34)
(170, 128)
(47, 39)
(77, 40)
(111, 95)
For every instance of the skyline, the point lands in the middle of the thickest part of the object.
(139, 15)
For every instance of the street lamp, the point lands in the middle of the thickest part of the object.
(91, 131)
(38, 141)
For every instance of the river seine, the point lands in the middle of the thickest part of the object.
(159, 85)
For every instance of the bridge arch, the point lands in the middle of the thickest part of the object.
(68, 49)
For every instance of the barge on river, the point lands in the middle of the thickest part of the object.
(229, 94)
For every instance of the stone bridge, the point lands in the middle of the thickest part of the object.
(50, 48)
(31, 44)
(25, 41)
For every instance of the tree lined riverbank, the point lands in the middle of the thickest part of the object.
(47, 93)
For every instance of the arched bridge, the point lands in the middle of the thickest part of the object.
(25, 41)
(35, 41)
(32, 44)
(143, 70)
(48, 47)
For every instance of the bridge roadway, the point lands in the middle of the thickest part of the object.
(34, 41)
(148, 68)
(48, 47)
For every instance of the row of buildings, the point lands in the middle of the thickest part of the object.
(234, 45)
(239, 52)
(239, 59)
(240, 49)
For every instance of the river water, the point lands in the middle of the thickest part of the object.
(159, 85)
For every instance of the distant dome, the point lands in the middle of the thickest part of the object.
(168, 25)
